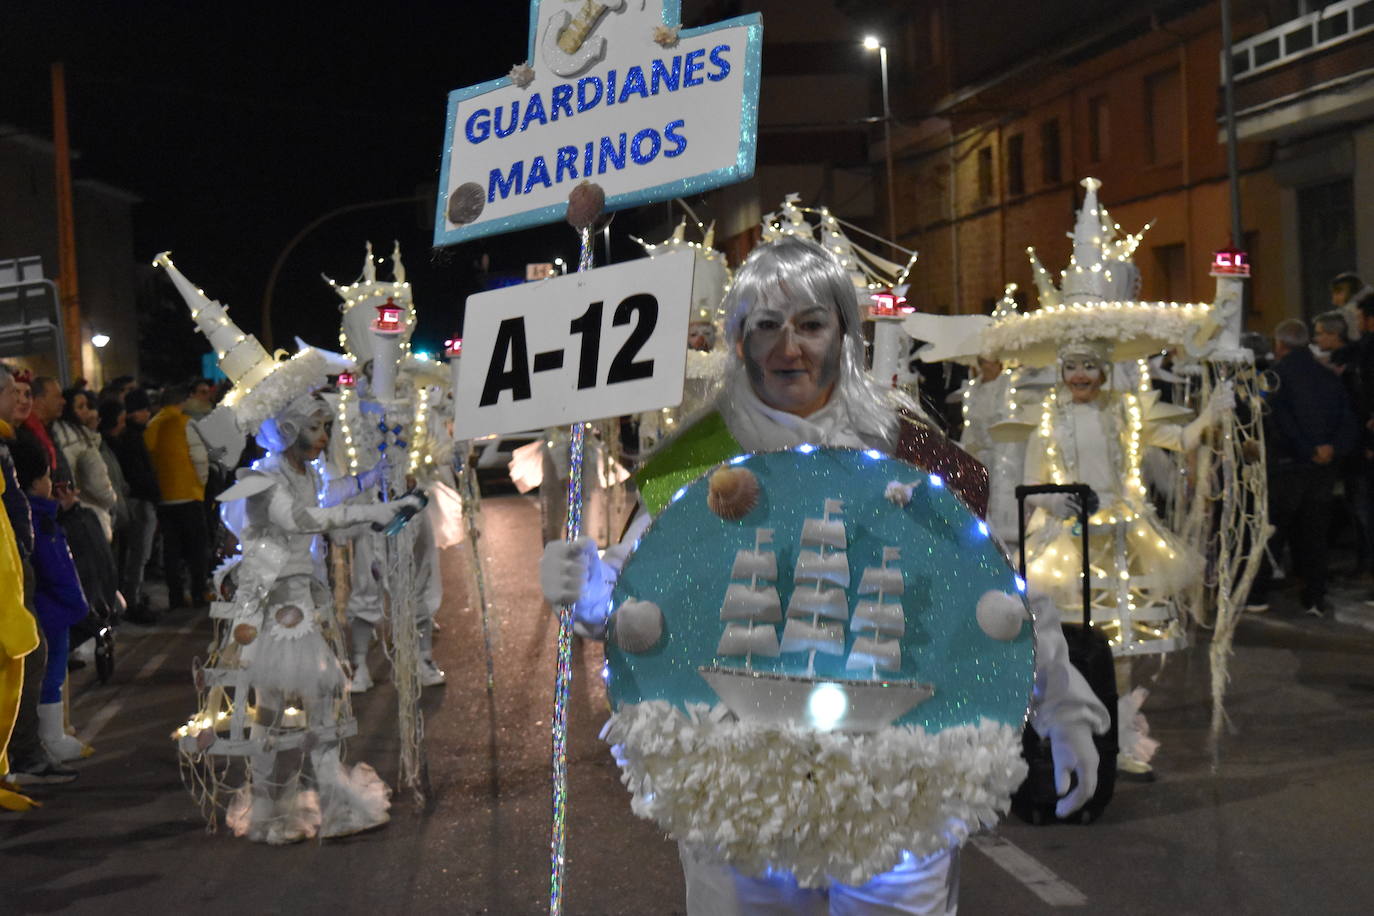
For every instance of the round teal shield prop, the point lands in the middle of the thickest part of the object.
(810, 594)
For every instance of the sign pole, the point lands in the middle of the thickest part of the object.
(572, 531)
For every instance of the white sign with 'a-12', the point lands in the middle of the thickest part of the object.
(597, 343)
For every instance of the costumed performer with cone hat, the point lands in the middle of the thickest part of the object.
(280, 643)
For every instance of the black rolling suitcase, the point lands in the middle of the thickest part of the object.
(1090, 653)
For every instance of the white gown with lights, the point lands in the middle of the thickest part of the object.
(1139, 568)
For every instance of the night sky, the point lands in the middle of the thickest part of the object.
(240, 124)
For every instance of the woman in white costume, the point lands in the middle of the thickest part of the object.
(797, 376)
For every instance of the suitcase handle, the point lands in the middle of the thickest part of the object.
(1084, 494)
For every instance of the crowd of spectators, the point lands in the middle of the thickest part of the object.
(91, 481)
(1320, 437)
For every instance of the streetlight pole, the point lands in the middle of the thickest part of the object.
(873, 44)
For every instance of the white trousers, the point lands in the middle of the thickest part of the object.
(916, 887)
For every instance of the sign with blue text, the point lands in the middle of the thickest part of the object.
(614, 92)
(597, 343)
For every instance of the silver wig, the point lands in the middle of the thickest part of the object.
(796, 268)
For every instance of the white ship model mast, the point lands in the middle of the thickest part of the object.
(751, 603)
(828, 574)
(881, 651)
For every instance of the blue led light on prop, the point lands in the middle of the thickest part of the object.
(936, 480)
(982, 528)
(873, 453)
(739, 459)
(1020, 584)
(805, 448)
(682, 491)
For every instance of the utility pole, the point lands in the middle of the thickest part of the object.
(67, 287)
(1228, 81)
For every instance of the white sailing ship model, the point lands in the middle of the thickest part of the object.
(818, 620)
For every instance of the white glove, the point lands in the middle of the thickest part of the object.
(1073, 751)
(572, 573)
(383, 513)
(372, 477)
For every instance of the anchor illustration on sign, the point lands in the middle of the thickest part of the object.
(568, 45)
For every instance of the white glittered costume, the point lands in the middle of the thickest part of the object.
(1139, 567)
(274, 690)
(385, 421)
(820, 312)
(293, 661)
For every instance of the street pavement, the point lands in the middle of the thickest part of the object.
(1278, 822)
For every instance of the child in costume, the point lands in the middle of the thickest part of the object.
(797, 377)
(1088, 431)
(279, 647)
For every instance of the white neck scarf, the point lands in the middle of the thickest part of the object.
(760, 428)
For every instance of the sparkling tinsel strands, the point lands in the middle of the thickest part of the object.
(564, 682)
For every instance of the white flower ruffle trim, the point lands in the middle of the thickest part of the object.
(823, 806)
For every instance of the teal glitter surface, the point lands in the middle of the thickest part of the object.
(683, 563)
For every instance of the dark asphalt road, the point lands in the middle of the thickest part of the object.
(1283, 828)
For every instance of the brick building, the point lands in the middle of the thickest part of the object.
(999, 110)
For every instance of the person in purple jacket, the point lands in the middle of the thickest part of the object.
(58, 598)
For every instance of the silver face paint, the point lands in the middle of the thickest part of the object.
(791, 351)
(314, 438)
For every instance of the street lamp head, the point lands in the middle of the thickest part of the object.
(871, 43)
(99, 340)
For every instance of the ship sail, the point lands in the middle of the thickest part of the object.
(806, 636)
(761, 564)
(826, 602)
(818, 567)
(752, 603)
(885, 579)
(881, 654)
(743, 641)
(824, 532)
(880, 617)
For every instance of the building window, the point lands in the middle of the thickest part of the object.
(1016, 165)
(1049, 152)
(1097, 129)
(1172, 261)
(1326, 239)
(1164, 117)
(985, 172)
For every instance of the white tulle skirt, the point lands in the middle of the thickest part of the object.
(340, 800)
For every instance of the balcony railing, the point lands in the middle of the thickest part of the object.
(1306, 35)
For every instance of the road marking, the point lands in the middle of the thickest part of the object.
(1042, 882)
(116, 704)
